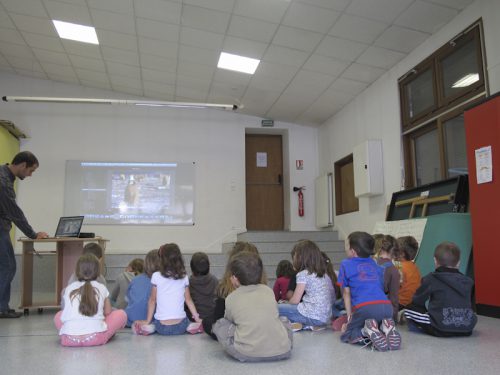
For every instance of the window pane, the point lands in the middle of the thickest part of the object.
(460, 69)
(454, 133)
(427, 158)
(420, 94)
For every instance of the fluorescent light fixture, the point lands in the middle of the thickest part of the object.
(148, 103)
(237, 63)
(466, 80)
(72, 31)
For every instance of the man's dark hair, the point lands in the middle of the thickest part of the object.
(362, 243)
(247, 267)
(200, 265)
(447, 254)
(25, 157)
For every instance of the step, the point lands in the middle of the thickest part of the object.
(285, 236)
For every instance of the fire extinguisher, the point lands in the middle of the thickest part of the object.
(301, 199)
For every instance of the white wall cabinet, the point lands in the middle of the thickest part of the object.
(368, 168)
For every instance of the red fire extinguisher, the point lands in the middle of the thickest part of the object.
(301, 199)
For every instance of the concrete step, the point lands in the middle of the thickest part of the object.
(285, 236)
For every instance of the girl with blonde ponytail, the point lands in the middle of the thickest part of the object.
(87, 318)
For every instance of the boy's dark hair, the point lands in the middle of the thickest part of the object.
(389, 245)
(362, 243)
(307, 256)
(136, 266)
(247, 267)
(285, 268)
(171, 261)
(25, 157)
(93, 248)
(408, 246)
(447, 254)
(200, 265)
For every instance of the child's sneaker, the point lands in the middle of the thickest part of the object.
(377, 338)
(194, 328)
(314, 328)
(143, 330)
(392, 336)
(296, 327)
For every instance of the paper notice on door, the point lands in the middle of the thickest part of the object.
(484, 167)
(261, 159)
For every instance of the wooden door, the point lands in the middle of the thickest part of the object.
(264, 182)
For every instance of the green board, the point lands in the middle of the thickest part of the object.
(454, 227)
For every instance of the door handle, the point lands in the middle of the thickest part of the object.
(280, 179)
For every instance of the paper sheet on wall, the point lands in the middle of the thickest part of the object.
(399, 228)
(261, 159)
(484, 167)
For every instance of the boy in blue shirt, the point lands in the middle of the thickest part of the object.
(366, 304)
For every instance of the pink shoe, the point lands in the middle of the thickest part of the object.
(194, 328)
(339, 322)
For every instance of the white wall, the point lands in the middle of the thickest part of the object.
(213, 139)
(375, 114)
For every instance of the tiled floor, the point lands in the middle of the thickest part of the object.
(30, 345)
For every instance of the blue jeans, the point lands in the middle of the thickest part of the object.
(338, 308)
(7, 269)
(291, 312)
(378, 312)
(174, 329)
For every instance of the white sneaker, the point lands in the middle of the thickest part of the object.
(143, 330)
(392, 336)
(377, 338)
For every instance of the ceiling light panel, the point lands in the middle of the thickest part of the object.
(72, 31)
(237, 63)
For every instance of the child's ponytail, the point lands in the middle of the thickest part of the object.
(87, 270)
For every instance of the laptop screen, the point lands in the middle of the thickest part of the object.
(69, 226)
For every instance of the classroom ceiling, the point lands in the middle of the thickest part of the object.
(316, 55)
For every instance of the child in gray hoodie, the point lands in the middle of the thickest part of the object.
(119, 292)
(202, 285)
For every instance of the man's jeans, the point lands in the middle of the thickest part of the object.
(7, 269)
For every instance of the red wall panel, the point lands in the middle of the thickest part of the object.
(482, 127)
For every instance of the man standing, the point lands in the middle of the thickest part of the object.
(22, 166)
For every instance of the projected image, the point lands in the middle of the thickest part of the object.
(136, 193)
(131, 193)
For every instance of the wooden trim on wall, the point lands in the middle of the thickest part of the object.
(345, 201)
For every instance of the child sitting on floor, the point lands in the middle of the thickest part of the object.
(251, 329)
(117, 296)
(226, 287)
(411, 278)
(202, 285)
(311, 303)
(87, 318)
(139, 289)
(448, 294)
(366, 304)
(95, 249)
(284, 272)
(387, 251)
(169, 292)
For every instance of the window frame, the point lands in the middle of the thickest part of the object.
(446, 108)
(447, 50)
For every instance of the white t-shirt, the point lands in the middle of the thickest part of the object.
(169, 296)
(75, 323)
